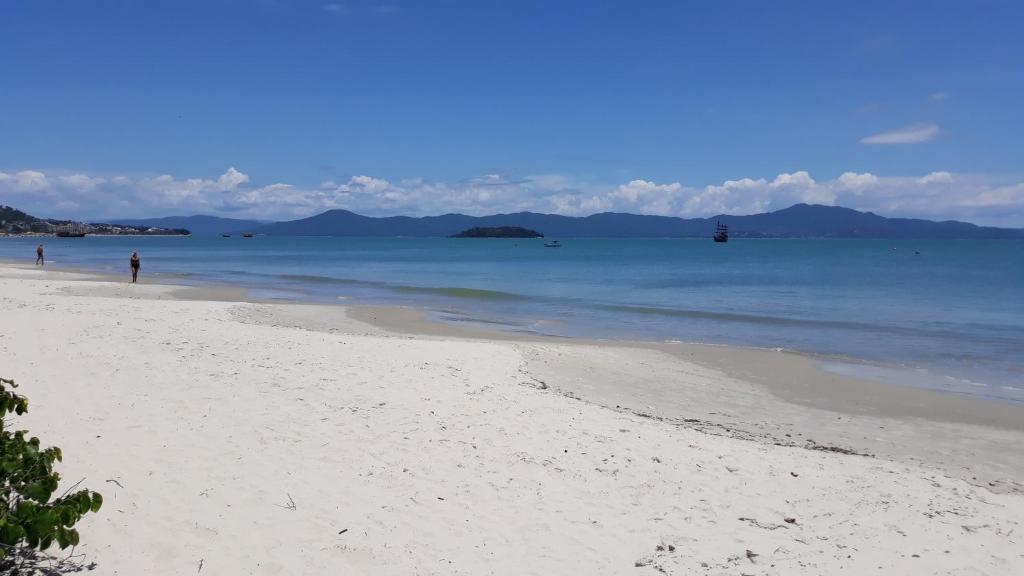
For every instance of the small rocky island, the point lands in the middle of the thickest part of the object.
(499, 232)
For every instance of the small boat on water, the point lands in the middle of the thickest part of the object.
(553, 244)
(721, 232)
(225, 235)
(247, 235)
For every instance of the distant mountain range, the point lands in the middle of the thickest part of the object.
(798, 221)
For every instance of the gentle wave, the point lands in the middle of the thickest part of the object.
(448, 291)
(304, 278)
(175, 274)
(479, 294)
(768, 320)
(457, 292)
(312, 279)
(734, 316)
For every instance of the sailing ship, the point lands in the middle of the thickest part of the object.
(721, 232)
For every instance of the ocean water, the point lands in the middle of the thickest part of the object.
(940, 314)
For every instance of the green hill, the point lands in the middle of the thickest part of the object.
(13, 215)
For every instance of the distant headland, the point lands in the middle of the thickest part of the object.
(498, 232)
(14, 222)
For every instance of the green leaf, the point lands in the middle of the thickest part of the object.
(38, 492)
(28, 519)
(10, 534)
(84, 502)
(25, 510)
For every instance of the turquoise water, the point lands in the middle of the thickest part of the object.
(943, 314)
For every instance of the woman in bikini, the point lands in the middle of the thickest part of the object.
(135, 266)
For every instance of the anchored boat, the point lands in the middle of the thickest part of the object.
(721, 232)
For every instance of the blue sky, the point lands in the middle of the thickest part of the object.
(282, 109)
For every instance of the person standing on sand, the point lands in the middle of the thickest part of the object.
(135, 266)
(40, 261)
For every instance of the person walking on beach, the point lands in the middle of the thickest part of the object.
(135, 266)
(40, 261)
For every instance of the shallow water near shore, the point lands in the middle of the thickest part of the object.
(947, 315)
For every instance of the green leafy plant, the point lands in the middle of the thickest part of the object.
(28, 518)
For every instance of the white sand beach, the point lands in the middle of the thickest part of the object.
(233, 437)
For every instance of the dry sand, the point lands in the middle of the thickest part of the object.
(251, 438)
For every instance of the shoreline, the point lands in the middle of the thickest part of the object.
(283, 438)
(737, 361)
(426, 321)
(418, 320)
(908, 420)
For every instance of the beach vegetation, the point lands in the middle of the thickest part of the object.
(30, 518)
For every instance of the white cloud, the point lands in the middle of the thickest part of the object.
(742, 196)
(1009, 197)
(652, 198)
(913, 134)
(367, 184)
(232, 179)
(803, 188)
(938, 195)
(856, 182)
(936, 178)
(643, 191)
(25, 181)
(81, 182)
(797, 179)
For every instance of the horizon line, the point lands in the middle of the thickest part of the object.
(679, 217)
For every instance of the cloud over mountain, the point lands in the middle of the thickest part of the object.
(937, 195)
